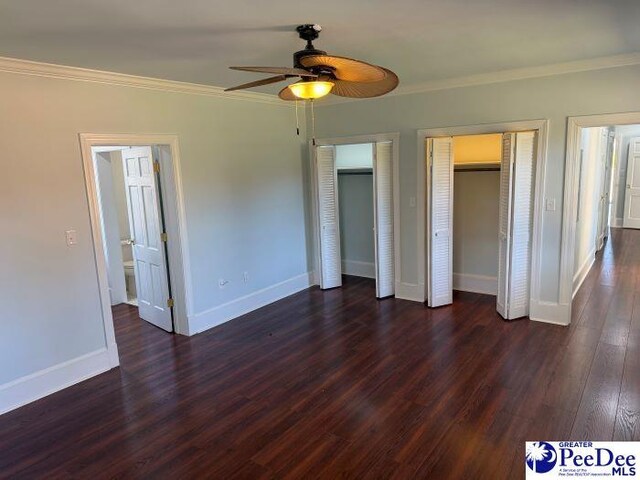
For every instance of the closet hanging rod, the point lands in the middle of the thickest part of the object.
(476, 169)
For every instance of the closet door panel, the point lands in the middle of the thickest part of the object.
(328, 219)
(523, 182)
(383, 218)
(504, 229)
(440, 253)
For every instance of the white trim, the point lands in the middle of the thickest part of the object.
(180, 274)
(240, 306)
(359, 269)
(49, 70)
(571, 182)
(510, 75)
(542, 126)
(467, 282)
(32, 387)
(617, 223)
(550, 312)
(393, 137)
(583, 271)
(410, 291)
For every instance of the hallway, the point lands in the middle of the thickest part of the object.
(336, 384)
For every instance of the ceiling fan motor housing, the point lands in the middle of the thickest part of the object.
(308, 32)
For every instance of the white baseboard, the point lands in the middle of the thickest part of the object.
(240, 306)
(467, 282)
(550, 312)
(582, 273)
(617, 223)
(45, 382)
(410, 291)
(359, 269)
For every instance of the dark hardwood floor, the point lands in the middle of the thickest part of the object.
(338, 385)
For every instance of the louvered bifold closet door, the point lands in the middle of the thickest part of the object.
(522, 228)
(330, 262)
(440, 265)
(504, 223)
(383, 208)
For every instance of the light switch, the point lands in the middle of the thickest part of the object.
(412, 202)
(72, 237)
(550, 205)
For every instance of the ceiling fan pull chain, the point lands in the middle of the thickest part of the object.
(313, 124)
(297, 120)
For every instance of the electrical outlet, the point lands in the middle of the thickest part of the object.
(223, 283)
(245, 277)
(72, 237)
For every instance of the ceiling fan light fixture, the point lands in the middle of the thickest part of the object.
(311, 90)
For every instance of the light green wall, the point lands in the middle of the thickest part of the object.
(244, 192)
(554, 98)
(476, 201)
(355, 197)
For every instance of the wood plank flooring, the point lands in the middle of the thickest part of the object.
(338, 385)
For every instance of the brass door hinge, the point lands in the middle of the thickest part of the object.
(156, 166)
(170, 302)
(163, 237)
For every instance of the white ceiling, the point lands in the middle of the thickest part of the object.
(196, 40)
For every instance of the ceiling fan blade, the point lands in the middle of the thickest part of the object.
(346, 68)
(257, 83)
(344, 88)
(298, 72)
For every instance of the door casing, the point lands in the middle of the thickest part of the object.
(171, 182)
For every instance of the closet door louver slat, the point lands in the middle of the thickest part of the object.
(441, 223)
(383, 208)
(330, 261)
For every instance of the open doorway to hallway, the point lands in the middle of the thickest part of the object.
(608, 192)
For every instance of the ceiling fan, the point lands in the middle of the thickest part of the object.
(321, 74)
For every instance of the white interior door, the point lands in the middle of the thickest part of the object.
(632, 193)
(516, 224)
(383, 218)
(440, 222)
(150, 261)
(328, 217)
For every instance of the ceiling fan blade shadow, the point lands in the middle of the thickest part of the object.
(298, 72)
(257, 83)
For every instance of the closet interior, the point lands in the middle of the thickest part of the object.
(476, 212)
(354, 166)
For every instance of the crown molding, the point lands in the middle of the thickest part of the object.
(49, 70)
(501, 76)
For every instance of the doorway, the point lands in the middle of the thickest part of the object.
(166, 152)
(133, 231)
(602, 192)
(521, 158)
(356, 220)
